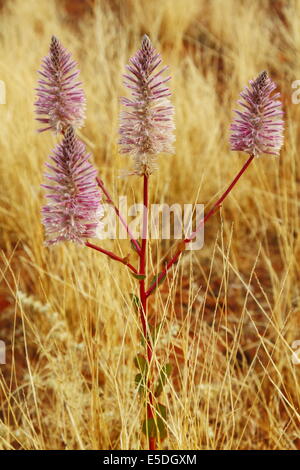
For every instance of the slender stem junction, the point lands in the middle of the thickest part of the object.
(173, 260)
(122, 220)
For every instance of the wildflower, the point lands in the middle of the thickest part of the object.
(147, 126)
(74, 209)
(60, 97)
(259, 127)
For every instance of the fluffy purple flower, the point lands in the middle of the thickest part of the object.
(258, 128)
(74, 209)
(147, 125)
(61, 100)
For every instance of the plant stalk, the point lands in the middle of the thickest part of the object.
(143, 299)
(113, 256)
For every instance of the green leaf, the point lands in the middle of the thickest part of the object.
(155, 279)
(138, 379)
(164, 373)
(161, 412)
(156, 425)
(143, 341)
(136, 301)
(141, 363)
(140, 277)
(140, 383)
(134, 247)
(168, 369)
(149, 427)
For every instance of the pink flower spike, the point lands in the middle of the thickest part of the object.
(60, 98)
(258, 128)
(147, 124)
(74, 209)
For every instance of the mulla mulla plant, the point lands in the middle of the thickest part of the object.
(74, 191)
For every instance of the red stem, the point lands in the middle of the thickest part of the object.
(143, 298)
(122, 220)
(112, 256)
(203, 221)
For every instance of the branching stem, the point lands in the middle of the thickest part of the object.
(160, 278)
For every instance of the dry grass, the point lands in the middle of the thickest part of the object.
(230, 312)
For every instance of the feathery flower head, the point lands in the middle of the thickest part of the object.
(61, 100)
(147, 125)
(74, 209)
(258, 128)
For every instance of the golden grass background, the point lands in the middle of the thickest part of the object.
(230, 312)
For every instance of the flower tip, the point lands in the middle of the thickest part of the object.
(262, 78)
(147, 129)
(257, 129)
(54, 44)
(146, 42)
(69, 132)
(60, 98)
